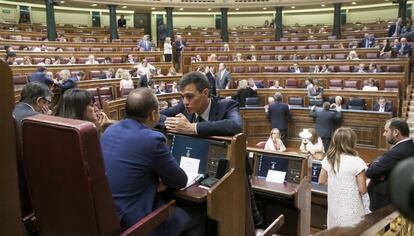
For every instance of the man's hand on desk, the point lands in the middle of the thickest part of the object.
(180, 124)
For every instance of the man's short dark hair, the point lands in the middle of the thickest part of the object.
(32, 91)
(197, 78)
(326, 105)
(140, 103)
(278, 97)
(41, 68)
(400, 125)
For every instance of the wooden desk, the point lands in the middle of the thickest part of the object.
(31, 43)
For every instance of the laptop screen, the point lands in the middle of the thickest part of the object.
(267, 163)
(190, 147)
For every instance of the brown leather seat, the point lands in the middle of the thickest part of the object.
(107, 49)
(238, 69)
(84, 49)
(345, 68)
(214, 49)
(282, 69)
(372, 55)
(301, 47)
(68, 186)
(261, 144)
(105, 94)
(351, 85)
(223, 58)
(126, 49)
(314, 46)
(395, 68)
(291, 83)
(266, 57)
(20, 80)
(95, 49)
(335, 84)
(290, 47)
(279, 48)
(325, 46)
(340, 56)
(95, 74)
(267, 48)
(199, 49)
(253, 69)
(391, 85)
(269, 69)
(150, 59)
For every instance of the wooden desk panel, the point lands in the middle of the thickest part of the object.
(77, 46)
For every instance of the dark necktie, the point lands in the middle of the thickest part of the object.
(199, 119)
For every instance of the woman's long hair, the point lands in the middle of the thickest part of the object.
(343, 142)
(73, 104)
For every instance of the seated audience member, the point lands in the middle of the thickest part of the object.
(66, 81)
(313, 146)
(135, 172)
(368, 41)
(46, 61)
(316, 91)
(173, 102)
(144, 68)
(42, 48)
(41, 76)
(81, 76)
(197, 58)
(395, 45)
(130, 59)
(279, 57)
(325, 69)
(10, 58)
(276, 85)
(107, 60)
(371, 86)
(126, 81)
(61, 38)
(109, 74)
(344, 173)
(244, 91)
(352, 55)
(238, 57)
(119, 72)
(340, 45)
(174, 88)
(172, 71)
(385, 47)
(226, 47)
(210, 115)
(253, 84)
(146, 80)
(212, 57)
(338, 105)
(373, 68)
(316, 69)
(91, 60)
(251, 57)
(296, 69)
(163, 105)
(158, 72)
(408, 27)
(72, 60)
(404, 48)
(382, 106)
(294, 57)
(322, 30)
(252, 48)
(360, 68)
(35, 98)
(27, 61)
(274, 143)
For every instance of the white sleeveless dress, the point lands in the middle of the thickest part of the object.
(345, 205)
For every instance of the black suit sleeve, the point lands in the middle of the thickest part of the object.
(383, 165)
(231, 123)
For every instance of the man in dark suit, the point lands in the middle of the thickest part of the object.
(279, 114)
(209, 71)
(223, 77)
(325, 123)
(296, 69)
(137, 159)
(382, 106)
(34, 99)
(367, 42)
(404, 48)
(67, 81)
(41, 76)
(122, 22)
(144, 44)
(395, 29)
(180, 44)
(201, 113)
(396, 133)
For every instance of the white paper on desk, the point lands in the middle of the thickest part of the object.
(276, 176)
(190, 167)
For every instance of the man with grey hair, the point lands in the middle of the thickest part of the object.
(66, 81)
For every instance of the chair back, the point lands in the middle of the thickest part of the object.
(261, 144)
(67, 183)
(295, 101)
(356, 104)
(252, 102)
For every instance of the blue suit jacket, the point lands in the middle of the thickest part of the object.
(278, 114)
(379, 171)
(224, 117)
(41, 77)
(325, 122)
(391, 30)
(135, 157)
(146, 46)
(68, 84)
(224, 81)
(406, 50)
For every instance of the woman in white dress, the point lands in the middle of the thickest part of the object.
(126, 81)
(344, 173)
(274, 143)
(167, 50)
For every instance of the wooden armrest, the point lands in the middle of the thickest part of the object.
(151, 221)
(274, 227)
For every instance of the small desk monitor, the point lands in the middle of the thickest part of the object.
(267, 163)
(316, 169)
(184, 146)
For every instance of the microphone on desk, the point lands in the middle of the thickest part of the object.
(200, 178)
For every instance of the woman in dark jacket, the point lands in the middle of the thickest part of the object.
(243, 92)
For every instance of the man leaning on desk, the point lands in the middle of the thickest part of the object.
(199, 112)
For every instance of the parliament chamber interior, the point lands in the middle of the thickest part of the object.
(292, 92)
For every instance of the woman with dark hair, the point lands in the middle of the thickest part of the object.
(77, 104)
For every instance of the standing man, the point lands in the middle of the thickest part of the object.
(279, 114)
(144, 44)
(209, 72)
(404, 48)
(382, 106)
(122, 22)
(395, 29)
(41, 76)
(201, 113)
(325, 123)
(223, 77)
(180, 44)
(137, 159)
(396, 133)
(162, 34)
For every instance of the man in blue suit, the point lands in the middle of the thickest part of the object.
(367, 42)
(404, 48)
(41, 76)
(279, 114)
(296, 69)
(395, 29)
(325, 123)
(136, 159)
(144, 44)
(223, 77)
(201, 113)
